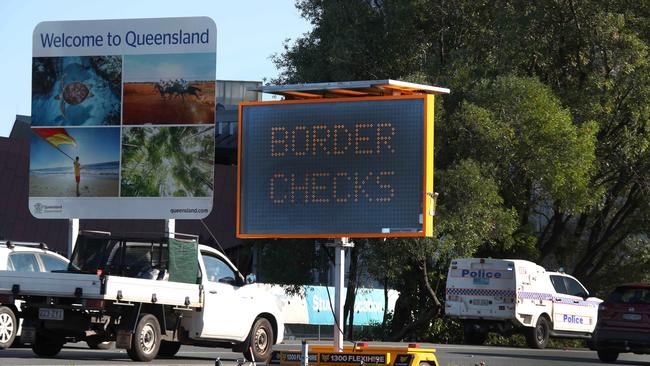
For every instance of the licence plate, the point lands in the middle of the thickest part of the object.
(632, 317)
(481, 281)
(50, 314)
(481, 302)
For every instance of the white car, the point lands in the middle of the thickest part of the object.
(22, 257)
(510, 296)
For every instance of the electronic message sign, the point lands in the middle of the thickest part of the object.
(123, 117)
(348, 167)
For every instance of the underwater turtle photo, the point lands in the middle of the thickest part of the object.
(72, 93)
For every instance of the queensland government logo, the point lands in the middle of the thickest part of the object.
(40, 208)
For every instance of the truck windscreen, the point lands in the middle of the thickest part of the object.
(90, 254)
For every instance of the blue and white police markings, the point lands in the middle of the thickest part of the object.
(480, 273)
(572, 319)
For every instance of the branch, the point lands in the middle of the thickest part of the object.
(606, 255)
(598, 241)
(429, 314)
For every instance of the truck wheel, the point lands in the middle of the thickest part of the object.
(260, 339)
(537, 337)
(46, 347)
(607, 356)
(168, 349)
(473, 336)
(145, 343)
(7, 327)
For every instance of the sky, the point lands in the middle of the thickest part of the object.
(94, 145)
(192, 66)
(248, 33)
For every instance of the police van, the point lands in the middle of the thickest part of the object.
(511, 296)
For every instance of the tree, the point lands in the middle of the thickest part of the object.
(550, 103)
(287, 262)
(470, 215)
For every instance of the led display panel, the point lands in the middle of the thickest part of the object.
(353, 167)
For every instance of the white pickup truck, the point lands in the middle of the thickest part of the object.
(149, 295)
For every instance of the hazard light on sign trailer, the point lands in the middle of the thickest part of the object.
(336, 167)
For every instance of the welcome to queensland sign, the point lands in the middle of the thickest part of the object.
(123, 116)
(353, 167)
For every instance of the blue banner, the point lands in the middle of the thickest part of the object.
(368, 305)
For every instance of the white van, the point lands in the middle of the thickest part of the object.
(510, 296)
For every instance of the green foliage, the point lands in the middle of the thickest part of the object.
(445, 330)
(518, 126)
(543, 147)
(471, 212)
(518, 340)
(287, 262)
(173, 161)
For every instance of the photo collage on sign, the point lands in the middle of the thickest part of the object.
(123, 126)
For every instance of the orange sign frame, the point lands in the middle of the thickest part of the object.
(427, 203)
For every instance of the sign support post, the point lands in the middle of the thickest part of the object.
(339, 277)
(170, 227)
(73, 233)
(304, 353)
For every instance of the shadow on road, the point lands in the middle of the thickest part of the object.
(112, 356)
(570, 360)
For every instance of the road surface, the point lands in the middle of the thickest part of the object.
(448, 355)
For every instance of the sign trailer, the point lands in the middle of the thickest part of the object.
(338, 160)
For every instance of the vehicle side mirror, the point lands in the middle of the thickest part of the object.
(251, 278)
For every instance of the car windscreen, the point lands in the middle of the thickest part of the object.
(630, 295)
(90, 254)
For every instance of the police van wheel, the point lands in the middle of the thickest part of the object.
(476, 338)
(537, 337)
(473, 336)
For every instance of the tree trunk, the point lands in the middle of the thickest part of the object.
(428, 315)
